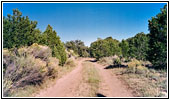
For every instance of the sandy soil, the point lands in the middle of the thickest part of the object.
(67, 85)
(110, 85)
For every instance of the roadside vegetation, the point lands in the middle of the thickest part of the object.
(78, 47)
(29, 67)
(139, 61)
(32, 57)
(138, 75)
(147, 47)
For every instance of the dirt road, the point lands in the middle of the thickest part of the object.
(66, 86)
(110, 86)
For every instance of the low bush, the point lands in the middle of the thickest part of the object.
(53, 67)
(27, 66)
(142, 70)
(38, 51)
(70, 63)
(136, 67)
(106, 60)
(26, 70)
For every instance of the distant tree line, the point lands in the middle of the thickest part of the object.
(152, 46)
(134, 47)
(20, 31)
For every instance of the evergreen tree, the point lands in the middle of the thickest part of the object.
(19, 31)
(124, 47)
(50, 38)
(158, 39)
(138, 46)
(104, 48)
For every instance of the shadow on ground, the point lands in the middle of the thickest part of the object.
(115, 66)
(100, 95)
(92, 60)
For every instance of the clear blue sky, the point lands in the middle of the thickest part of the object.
(89, 21)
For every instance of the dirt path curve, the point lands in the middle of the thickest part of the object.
(110, 85)
(65, 86)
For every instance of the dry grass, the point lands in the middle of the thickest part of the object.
(143, 81)
(109, 60)
(106, 61)
(32, 90)
(90, 83)
(152, 84)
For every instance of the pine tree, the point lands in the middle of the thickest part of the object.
(124, 47)
(50, 38)
(158, 39)
(138, 46)
(19, 31)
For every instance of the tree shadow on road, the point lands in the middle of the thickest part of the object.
(115, 66)
(100, 95)
(92, 60)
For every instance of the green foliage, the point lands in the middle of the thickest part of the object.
(104, 48)
(158, 39)
(50, 38)
(138, 46)
(124, 47)
(19, 31)
(78, 47)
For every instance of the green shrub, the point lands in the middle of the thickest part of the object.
(78, 47)
(104, 48)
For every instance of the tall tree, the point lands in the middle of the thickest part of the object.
(158, 39)
(19, 31)
(138, 46)
(124, 47)
(50, 38)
